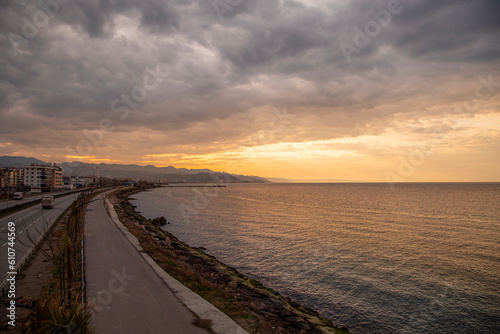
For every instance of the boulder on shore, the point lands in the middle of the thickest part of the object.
(160, 221)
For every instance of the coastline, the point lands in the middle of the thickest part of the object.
(253, 306)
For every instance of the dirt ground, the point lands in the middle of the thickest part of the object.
(30, 282)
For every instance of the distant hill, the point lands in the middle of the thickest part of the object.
(7, 161)
(148, 173)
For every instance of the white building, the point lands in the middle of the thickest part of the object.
(73, 182)
(43, 178)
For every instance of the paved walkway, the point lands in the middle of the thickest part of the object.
(127, 295)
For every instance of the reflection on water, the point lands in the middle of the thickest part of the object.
(423, 258)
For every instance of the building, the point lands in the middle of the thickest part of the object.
(73, 182)
(41, 178)
(12, 178)
(3, 181)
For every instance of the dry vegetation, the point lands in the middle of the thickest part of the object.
(50, 284)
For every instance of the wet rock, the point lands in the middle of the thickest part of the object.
(159, 237)
(150, 229)
(264, 307)
(160, 221)
(304, 326)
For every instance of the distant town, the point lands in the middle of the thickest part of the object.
(33, 176)
(40, 178)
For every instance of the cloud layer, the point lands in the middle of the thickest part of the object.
(228, 68)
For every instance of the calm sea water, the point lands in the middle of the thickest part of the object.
(423, 258)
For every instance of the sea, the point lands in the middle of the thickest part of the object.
(413, 258)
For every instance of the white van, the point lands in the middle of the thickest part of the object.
(18, 195)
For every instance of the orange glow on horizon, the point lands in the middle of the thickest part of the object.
(363, 158)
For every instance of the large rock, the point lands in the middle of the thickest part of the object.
(159, 221)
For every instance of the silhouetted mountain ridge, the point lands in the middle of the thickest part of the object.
(149, 172)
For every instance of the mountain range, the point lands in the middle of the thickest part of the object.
(148, 173)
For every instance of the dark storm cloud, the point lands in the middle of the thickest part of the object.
(450, 30)
(159, 17)
(278, 36)
(222, 64)
(94, 17)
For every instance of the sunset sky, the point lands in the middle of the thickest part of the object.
(304, 90)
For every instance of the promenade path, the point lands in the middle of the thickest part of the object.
(127, 295)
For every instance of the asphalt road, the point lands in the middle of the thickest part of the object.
(29, 224)
(10, 203)
(127, 295)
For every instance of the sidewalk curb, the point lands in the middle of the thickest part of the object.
(222, 324)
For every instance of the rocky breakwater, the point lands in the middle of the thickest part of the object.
(253, 306)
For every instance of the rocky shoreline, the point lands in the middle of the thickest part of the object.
(255, 307)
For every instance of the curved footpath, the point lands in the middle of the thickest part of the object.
(129, 292)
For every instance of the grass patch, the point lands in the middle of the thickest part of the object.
(50, 317)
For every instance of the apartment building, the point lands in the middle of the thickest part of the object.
(41, 178)
(11, 178)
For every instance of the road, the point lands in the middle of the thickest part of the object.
(29, 223)
(10, 203)
(127, 295)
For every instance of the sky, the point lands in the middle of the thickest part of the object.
(302, 90)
